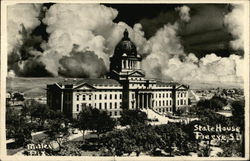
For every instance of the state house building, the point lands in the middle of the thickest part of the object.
(124, 88)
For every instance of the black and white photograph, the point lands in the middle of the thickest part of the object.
(125, 80)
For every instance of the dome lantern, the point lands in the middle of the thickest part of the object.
(125, 46)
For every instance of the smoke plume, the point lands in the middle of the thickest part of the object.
(91, 28)
(235, 24)
(184, 13)
(166, 59)
(82, 37)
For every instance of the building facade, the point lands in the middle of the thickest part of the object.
(125, 87)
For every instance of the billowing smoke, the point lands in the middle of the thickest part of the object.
(235, 24)
(82, 37)
(82, 64)
(166, 59)
(184, 13)
(23, 55)
(21, 16)
(91, 28)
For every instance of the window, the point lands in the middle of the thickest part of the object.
(181, 94)
(100, 96)
(159, 109)
(105, 105)
(89, 97)
(89, 104)
(115, 113)
(163, 103)
(167, 95)
(77, 97)
(167, 102)
(170, 94)
(83, 97)
(115, 96)
(95, 105)
(110, 105)
(95, 96)
(77, 107)
(133, 95)
(120, 96)
(170, 102)
(159, 103)
(159, 95)
(163, 95)
(167, 109)
(163, 110)
(105, 96)
(177, 102)
(110, 96)
(115, 105)
(100, 105)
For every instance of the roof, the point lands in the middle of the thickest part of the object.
(90, 81)
(166, 83)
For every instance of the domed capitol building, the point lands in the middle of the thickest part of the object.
(124, 88)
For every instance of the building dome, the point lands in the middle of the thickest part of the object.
(126, 46)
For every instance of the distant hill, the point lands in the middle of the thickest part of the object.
(36, 87)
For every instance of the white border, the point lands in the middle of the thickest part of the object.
(3, 154)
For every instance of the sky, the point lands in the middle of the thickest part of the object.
(181, 42)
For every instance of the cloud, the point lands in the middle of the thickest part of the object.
(209, 69)
(184, 13)
(90, 27)
(167, 60)
(235, 24)
(21, 16)
(82, 37)
(160, 48)
(80, 64)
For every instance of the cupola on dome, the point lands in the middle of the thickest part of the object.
(126, 46)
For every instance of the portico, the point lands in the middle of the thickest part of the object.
(144, 100)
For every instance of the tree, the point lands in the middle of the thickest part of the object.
(84, 120)
(132, 117)
(117, 142)
(216, 103)
(238, 112)
(101, 122)
(18, 97)
(94, 119)
(139, 138)
(17, 127)
(58, 129)
(40, 111)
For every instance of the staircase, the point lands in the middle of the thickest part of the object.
(152, 115)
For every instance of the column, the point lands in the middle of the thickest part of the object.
(122, 63)
(149, 100)
(142, 100)
(138, 101)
